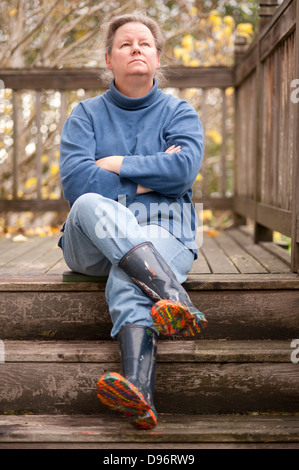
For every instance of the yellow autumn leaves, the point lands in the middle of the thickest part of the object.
(52, 172)
(13, 12)
(215, 136)
(214, 43)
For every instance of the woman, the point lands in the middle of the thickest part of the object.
(129, 158)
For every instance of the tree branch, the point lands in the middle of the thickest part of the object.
(28, 36)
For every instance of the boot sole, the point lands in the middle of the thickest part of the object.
(120, 395)
(172, 317)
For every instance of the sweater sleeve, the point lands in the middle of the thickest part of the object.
(171, 174)
(79, 172)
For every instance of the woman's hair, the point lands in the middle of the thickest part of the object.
(135, 17)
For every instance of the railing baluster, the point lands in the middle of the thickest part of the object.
(63, 105)
(15, 158)
(204, 123)
(223, 144)
(39, 144)
(62, 119)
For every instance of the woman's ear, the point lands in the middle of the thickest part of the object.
(108, 62)
(158, 61)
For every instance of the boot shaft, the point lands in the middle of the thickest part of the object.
(138, 352)
(148, 269)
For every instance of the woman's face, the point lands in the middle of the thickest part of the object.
(133, 53)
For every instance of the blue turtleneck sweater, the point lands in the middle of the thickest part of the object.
(140, 129)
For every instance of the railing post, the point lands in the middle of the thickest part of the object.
(266, 10)
(240, 48)
(295, 205)
(261, 233)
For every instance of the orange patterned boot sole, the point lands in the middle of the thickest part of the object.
(120, 395)
(173, 317)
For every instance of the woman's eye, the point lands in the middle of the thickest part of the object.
(125, 44)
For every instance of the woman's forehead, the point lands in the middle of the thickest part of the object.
(133, 30)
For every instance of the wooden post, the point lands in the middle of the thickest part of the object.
(261, 233)
(240, 48)
(266, 10)
(295, 205)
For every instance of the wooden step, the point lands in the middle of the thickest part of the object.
(192, 376)
(246, 291)
(172, 432)
(246, 309)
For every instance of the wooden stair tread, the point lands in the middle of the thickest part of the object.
(192, 377)
(170, 429)
(217, 351)
(195, 281)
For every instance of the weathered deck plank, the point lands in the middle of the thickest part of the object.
(210, 351)
(271, 262)
(37, 258)
(231, 255)
(216, 258)
(174, 430)
(245, 263)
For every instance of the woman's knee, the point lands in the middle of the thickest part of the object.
(88, 208)
(87, 200)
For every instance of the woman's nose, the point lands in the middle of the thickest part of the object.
(135, 50)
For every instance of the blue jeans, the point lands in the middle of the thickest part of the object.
(98, 233)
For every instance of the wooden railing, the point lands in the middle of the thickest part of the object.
(267, 129)
(215, 80)
(265, 137)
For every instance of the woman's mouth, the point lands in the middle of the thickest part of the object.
(136, 60)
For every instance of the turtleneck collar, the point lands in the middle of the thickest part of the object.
(125, 102)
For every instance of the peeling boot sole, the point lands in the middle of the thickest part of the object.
(172, 317)
(122, 396)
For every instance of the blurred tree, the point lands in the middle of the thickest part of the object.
(213, 42)
(57, 33)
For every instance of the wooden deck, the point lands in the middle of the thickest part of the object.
(228, 259)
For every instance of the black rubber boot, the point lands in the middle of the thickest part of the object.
(173, 311)
(132, 393)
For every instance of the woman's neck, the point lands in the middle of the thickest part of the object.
(135, 89)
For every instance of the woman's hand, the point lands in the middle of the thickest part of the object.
(143, 190)
(173, 149)
(112, 163)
